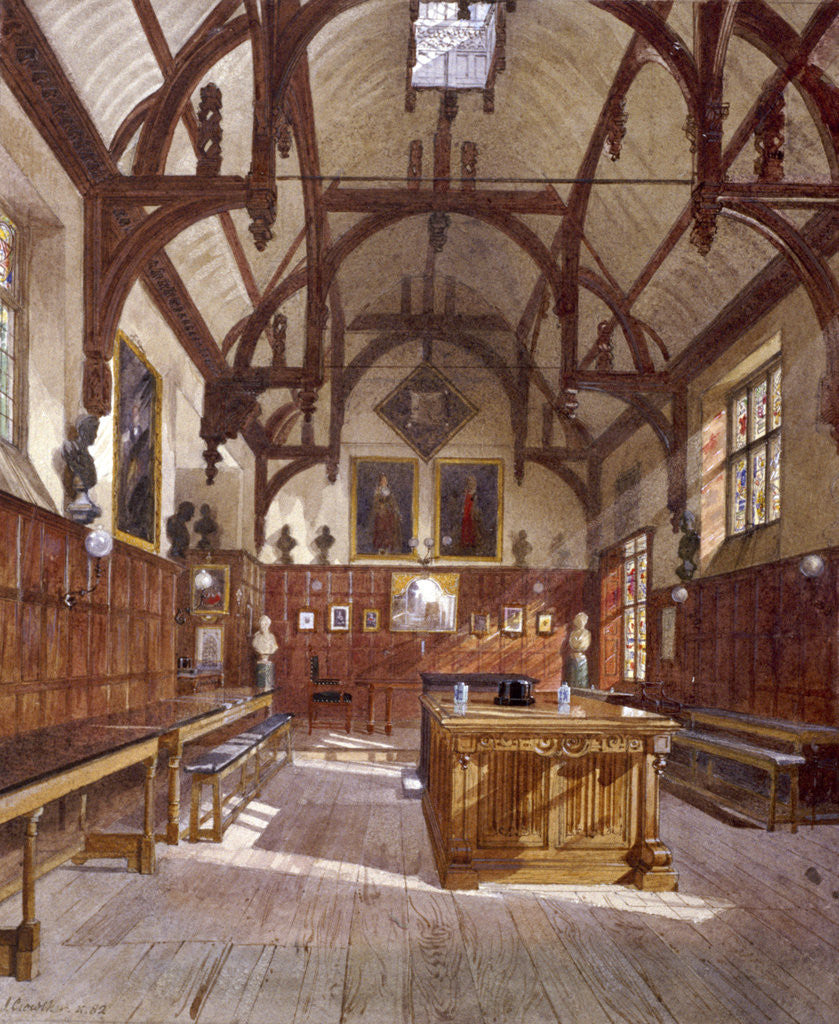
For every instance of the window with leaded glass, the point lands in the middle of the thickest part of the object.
(754, 451)
(9, 312)
(634, 601)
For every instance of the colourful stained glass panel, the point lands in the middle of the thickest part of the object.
(739, 489)
(629, 643)
(759, 486)
(7, 373)
(629, 548)
(759, 397)
(629, 581)
(740, 422)
(774, 489)
(642, 577)
(641, 644)
(775, 400)
(7, 251)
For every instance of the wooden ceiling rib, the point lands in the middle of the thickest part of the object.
(296, 54)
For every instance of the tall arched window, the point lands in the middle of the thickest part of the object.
(10, 315)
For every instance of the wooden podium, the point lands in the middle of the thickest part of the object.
(528, 794)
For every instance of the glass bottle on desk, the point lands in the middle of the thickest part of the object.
(461, 697)
(563, 699)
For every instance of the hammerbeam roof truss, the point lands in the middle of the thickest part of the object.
(592, 231)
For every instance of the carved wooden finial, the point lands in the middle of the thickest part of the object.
(604, 346)
(769, 143)
(209, 131)
(616, 127)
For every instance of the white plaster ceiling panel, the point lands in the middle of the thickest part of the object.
(804, 154)
(618, 213)
(358, 93)
(179, 19)
(202, 257)
(110, 75)
(596, 411)
(181, 157)
(655, 144)
(689, 289)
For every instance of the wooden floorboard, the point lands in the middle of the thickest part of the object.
(322, 906)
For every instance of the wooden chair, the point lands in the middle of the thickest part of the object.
(327, 694)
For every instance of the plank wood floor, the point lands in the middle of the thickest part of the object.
(322, 905)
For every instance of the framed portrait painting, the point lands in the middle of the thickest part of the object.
(479, 623)
(339, 618)
(214, 599)
(305, 620)
(512, 620)
(370, 620)
(137, 439)
(468, 508)
(383, 503)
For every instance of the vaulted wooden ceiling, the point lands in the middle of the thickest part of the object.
(635, 185)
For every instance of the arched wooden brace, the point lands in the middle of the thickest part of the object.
(191, 65)
(266, 490)
(452, 202)
(768, 32)
(110, 276)
(567, 475)
(251, 327)
(820, 284)
(616, 302)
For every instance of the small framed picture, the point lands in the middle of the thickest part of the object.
(209, 641)
(512, 620)
(370, 620)
(339, 618)
(305, 620)
(479, 623)
(545, 623)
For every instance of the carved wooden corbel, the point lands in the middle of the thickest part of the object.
(228, 408)
(769, 143)
(262, 208)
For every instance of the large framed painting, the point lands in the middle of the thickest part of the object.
(469, 497)
(137, 431)
(424, 602)
(383, 505)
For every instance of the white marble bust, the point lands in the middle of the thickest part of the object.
(264, 642)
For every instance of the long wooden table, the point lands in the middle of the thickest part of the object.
(528, 794)
(47, 764)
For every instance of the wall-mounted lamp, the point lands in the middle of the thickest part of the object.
(811, 566)
(428, 544)
(98, 544)
(679, 594)
(202, 581)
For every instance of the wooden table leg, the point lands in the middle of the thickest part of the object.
(389, 710)
(20, 947)
(371, 712)
(148, 858)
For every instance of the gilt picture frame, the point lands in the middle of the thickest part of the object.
(512, 620)
(479, 623)
(544, 623)
(138, 394)
(384, 504)
(468, 507)
(424, 602)
(306, 620)
(370, 620)
(212, 600)
(339, 618)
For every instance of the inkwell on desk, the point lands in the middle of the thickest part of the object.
(515, 693)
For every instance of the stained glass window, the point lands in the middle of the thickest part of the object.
(634, 608)
(754, 462)
(8, 308)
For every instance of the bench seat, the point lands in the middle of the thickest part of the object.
(775, 763)
(256, 753)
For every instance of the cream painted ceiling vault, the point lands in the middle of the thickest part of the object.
(611, 243)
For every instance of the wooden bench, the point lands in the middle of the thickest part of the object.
(256, 755)
(701, 779)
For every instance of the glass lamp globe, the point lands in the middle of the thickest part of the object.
(679, 594)
(811, 566)
(203, 580)
(99, 543)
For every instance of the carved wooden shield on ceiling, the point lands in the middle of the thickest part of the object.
(426, 410)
